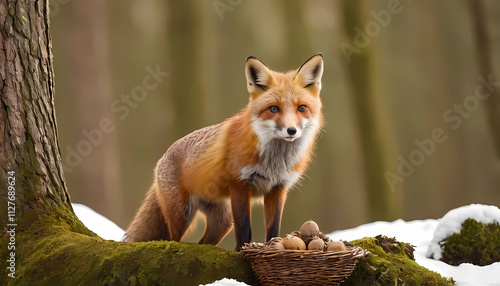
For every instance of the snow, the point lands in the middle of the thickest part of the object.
(424, 234)
(98, 223)
(226, 282)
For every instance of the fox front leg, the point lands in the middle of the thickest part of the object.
(273, 210)
(241, 208)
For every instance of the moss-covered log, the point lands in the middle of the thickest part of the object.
(58, 250)
(390, 263)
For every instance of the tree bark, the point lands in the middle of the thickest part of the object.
(43, 241)
(29, 130)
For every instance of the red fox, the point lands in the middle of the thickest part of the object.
(220, 170)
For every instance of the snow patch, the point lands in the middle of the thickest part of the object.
(226, 282)
(98, 223)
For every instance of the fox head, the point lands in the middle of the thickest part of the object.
(285, 106)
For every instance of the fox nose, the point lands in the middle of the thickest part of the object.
(291, 130)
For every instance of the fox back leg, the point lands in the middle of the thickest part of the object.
(219, 221)
(177, 210)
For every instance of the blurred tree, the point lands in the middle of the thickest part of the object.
(484, 58)
(95, 178)
(381, 204)
(137, 32)
(185, 52)
(297, 33)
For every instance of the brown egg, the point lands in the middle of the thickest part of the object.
(278, 246)
(286, 237)
(336, 246)
(275, 243)
(293, 242)
(309, 230)
(316, 244)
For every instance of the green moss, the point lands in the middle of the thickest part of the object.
(476, 243)
(389, 263)
(57, 249)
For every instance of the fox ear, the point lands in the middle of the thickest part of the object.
(309, 73)
(259, 77)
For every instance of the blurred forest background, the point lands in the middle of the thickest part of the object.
(412, 126)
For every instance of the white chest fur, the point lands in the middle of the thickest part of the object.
(277, 159)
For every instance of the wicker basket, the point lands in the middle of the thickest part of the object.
(301, 267)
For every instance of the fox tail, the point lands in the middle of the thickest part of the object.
(148, 223)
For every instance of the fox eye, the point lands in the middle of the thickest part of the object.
(302, 108)
(274, 109)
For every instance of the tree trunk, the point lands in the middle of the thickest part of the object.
(93, 180)
(484, 58)
(382, 203)
(44, 242)
(185, 44)
(29, 133)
